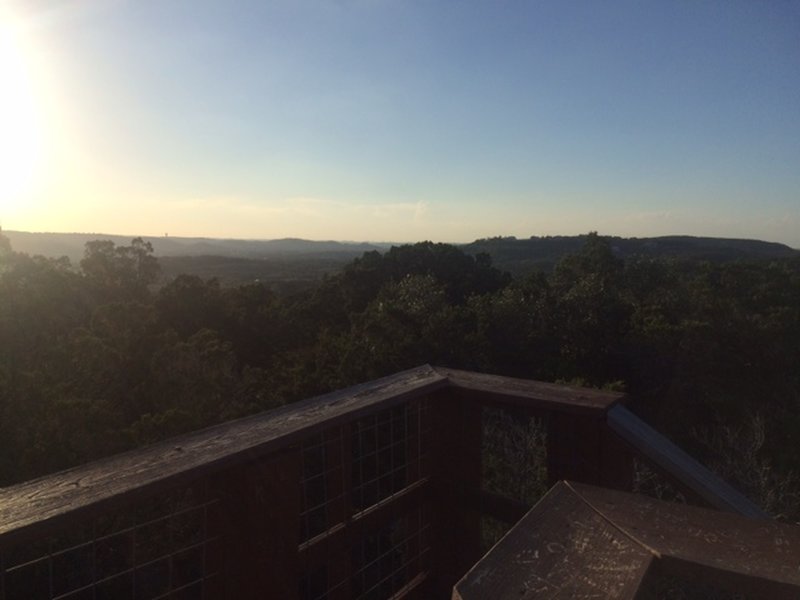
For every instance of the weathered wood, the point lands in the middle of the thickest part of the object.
(493, 505)
(582, 541)
(457, 430)
(561, 549)
(583, 448)
(532, 394)
(259, 508)
(35, 505)
(678, 464)
(752, 556)
(573, 448)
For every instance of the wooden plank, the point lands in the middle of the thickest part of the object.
(457, 430)
(259, 509)
(493, 505)
(37, 505)
(679, 465)
(532, 394)
(561, 549)
(752, 556)
(573, 448)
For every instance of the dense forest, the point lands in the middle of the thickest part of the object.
(104, 355)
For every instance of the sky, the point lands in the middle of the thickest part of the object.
(401, 120)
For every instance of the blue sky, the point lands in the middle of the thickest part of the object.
(389, 120)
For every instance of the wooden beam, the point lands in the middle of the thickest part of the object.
(531, 394)
(679, 465)
(457, 430)
(498, 507)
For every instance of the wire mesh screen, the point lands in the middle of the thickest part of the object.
(389, 559)
(159, 549)
(323, 483)
(348, 472)
(388, 453)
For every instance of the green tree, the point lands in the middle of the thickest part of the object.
(592, 312)
(5, 245)
(188, 304)
(121, 272)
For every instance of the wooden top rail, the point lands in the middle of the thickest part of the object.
(34, 506)
(533, 394)
(582, 541)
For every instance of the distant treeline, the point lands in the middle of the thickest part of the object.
(523, 256)
(98, 357)
(292, 264)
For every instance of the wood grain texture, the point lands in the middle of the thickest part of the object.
(533, 394)
(756, 556)
(34, 505)
(561, 549)
(582, 541)
(678, 464)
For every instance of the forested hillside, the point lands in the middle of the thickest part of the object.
(96, 358)
(524, 256)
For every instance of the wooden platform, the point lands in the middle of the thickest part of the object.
(582, 541)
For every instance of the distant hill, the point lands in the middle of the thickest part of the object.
(541, 253)
(72, 245)
(293, 263)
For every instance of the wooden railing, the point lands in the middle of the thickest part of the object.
(376, 491)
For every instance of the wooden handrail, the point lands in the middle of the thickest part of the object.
(678, 465)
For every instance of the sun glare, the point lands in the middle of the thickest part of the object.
(20, 128)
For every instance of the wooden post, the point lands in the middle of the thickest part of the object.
(258, 516)
(456, 448)
(583, 448)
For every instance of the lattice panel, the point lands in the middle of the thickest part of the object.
(388, 559)
(389, 453)
(348, 472)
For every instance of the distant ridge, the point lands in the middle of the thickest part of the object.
(72, 246)
(510, 253)
(541, 253)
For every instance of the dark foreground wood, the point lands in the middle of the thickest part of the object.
(582, 541)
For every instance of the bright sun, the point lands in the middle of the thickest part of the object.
(20, 127)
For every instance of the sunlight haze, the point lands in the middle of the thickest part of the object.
(388, 120)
